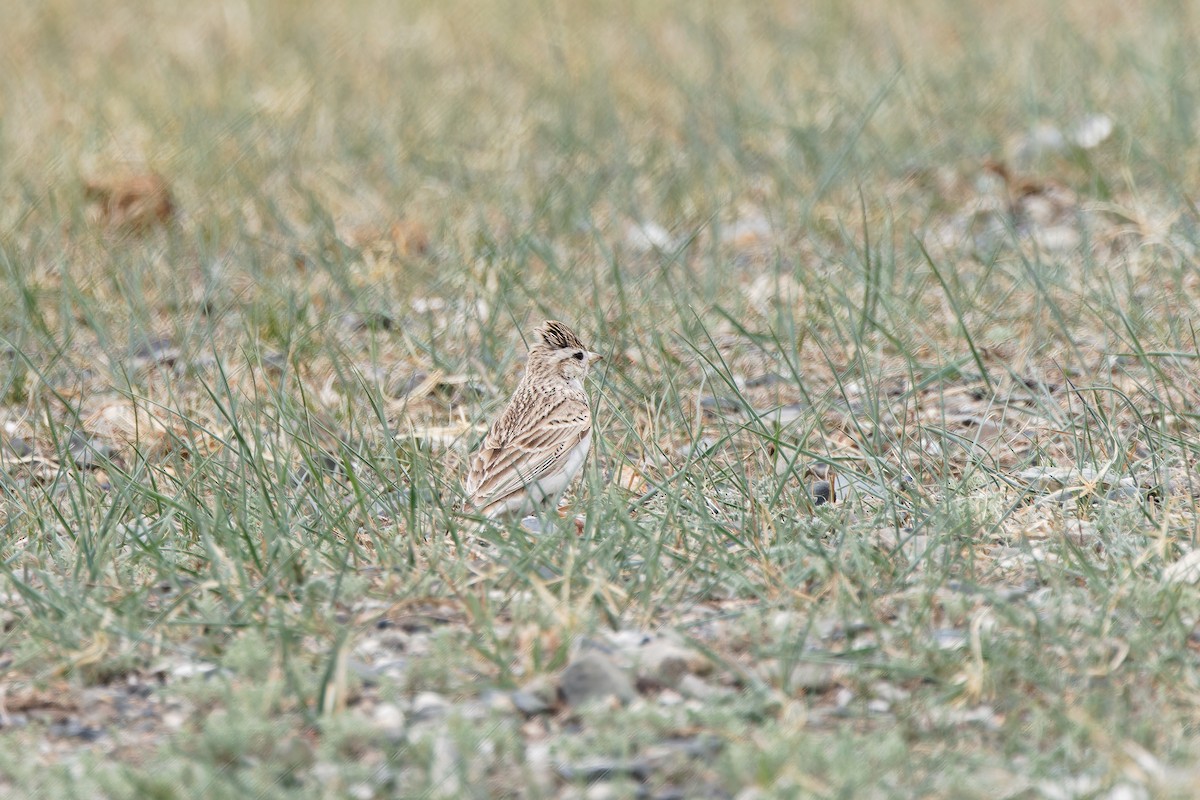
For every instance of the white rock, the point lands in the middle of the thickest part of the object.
(389, 720)
(429, 704)
(1185, 570)
(1092, 130)
(647, 237)
(444, 767)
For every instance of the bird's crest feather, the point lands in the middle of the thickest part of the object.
(558, 336)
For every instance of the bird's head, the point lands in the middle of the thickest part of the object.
(560, 352)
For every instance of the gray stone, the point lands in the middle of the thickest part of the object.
(16, 446)
(765, 380)
(88, 453)
(389, 720)
(817, 676)
(664, 663)
(427, 705)
(592, 677)
(949, 639)
(697, 688)
(538, 696)
(720, 405)
(1125, 493)
(595, 770)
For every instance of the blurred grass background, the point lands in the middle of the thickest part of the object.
(233, 440)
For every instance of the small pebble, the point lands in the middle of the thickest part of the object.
(596, 770)
(429, 704)
(389, 720)
(949, 639)
(592, 677)
(766, 379)
(1124, 493)
(663, 663)
(18, 446)
(156, 351)
(721, 405)
(530, 703)
(696, 687)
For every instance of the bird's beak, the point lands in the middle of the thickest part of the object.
(594, 357)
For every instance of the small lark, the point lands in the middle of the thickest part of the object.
(538, 443)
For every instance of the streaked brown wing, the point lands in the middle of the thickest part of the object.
(529, 441)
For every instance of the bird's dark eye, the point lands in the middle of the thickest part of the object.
(578, 356)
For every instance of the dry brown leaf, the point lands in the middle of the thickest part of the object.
(630, 479)
(53, 700)
(410, 238)
(748, 231)
(406, 238)
(130, 202)
(1041, 201)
